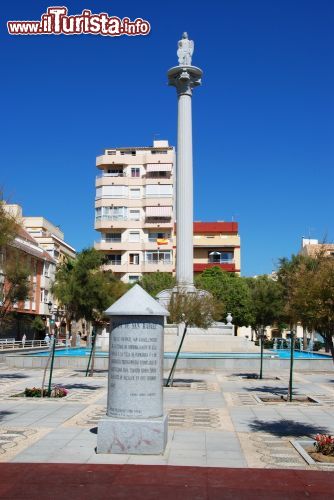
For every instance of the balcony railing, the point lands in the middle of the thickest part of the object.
(114, 217)
(164, 262)
(221, 261)
(121, 174)
(149, 220)
(158, 262)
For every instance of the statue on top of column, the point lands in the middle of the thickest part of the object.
(185, 49)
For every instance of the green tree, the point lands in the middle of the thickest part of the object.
(154, 283)
(197, 309)
(38, 326)
(84, 289)
(308, 283)
(267, 302)
(14, 271)
(231, 291)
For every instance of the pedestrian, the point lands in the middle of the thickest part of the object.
(23, 340)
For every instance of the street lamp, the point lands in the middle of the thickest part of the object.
(262, 336)
(49, 304)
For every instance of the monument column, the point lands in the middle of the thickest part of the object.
(135, 422)
(184, 78)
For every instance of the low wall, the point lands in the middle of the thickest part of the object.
(228, 364)
(22, 350)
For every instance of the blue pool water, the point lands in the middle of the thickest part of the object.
(280, 353)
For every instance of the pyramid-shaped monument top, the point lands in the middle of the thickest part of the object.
(136, 302)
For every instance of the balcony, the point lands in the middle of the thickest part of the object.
(105, 245)
(140, 157)
(216, 241)
(165, 266)
(226, 266)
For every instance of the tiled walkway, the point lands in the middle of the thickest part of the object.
(215, 420)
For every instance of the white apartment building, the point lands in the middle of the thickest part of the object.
(49, 237)
(134, 209)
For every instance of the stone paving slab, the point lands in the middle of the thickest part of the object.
(215, 421)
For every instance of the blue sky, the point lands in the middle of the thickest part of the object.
(263, 119)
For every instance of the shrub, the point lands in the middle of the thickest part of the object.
(59, 392)
(324, 443)
(35, 392)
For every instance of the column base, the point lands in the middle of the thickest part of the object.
(131, 436)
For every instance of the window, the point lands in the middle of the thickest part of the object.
(153, 237)
(134, 214)
(115, 172)
(113, 237)
(135, 172)
(114, 259)
(112, 192)
(134, 236)
(132, 153)
(133, 278)
(111, 213)
(220, 257)
(46, 269)
(158, 190)
(135, 193)
(134, 258)
(158, 257)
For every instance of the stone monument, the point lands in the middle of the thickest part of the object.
(135, 423)
(184, 78)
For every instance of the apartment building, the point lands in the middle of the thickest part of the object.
(216, 244)
(47, 240)
(311, 247)
(49, 237)
(42, 267)
(134, 209)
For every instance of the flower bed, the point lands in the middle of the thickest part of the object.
(320, 451)
(323, 450)
(36, 392)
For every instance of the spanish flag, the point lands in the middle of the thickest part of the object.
(162, 241)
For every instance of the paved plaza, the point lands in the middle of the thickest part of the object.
(216, 419)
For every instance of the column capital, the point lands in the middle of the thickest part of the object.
(184, 79)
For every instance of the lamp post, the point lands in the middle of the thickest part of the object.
(54, 339)
(261, 344)
(292, 346)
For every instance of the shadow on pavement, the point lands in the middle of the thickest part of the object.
(272, 390)
(253, 376)
(4, 413)
(13, 375)
(185, 381)
(82, 386)
(287, 428)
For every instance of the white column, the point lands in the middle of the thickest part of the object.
(184, 78)
(184, 186)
